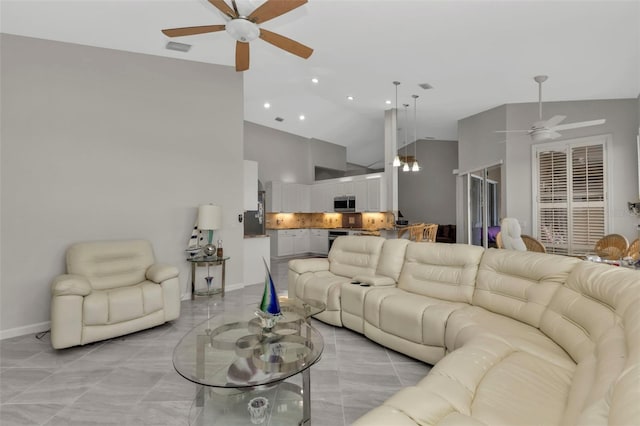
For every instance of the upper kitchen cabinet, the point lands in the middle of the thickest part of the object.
(321, 198)
(288, 197)
(250, 185)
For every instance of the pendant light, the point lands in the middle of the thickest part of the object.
(415, 167)
(396, 160)
(405, 168)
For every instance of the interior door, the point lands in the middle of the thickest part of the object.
(482, 205)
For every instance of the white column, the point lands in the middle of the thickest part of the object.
(390, 151)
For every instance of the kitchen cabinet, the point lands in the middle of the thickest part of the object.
(374, 195)
(319, 241)
(321, 198)
(288, 197)
(289, 242)
(360, 190)
(273, 195)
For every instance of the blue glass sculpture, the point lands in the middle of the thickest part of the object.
(269, 303)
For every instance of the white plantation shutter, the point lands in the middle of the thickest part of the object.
(571, 200)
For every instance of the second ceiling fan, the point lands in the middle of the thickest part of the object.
(245, 28)
(544, 130)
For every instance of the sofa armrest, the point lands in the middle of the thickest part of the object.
(70, 285)
(301, 266)
(160, 272)
(375, 280)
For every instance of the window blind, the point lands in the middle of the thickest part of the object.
(571, 197)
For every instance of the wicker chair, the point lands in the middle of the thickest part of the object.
(634, 250)
(533, 244)
(499, 240)
(430, 232)
(612, 247)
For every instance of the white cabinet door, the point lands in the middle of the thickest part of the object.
(321, 198)
(304, 198)
(273, 197)
(319, 241)
(300, 241)
(360, 191)
(374, 188)
(286, 243)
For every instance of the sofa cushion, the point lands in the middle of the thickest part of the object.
(122, 304)
(470, 322)
(323, 286)
(392, 258)
(351, 256)
(110, 264)
(520, 284)
(486, 382)
(439, 270)
(595, 317)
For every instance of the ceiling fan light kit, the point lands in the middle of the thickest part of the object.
(546, 130)
(245, 29)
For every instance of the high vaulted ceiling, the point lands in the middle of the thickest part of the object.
(476, 55)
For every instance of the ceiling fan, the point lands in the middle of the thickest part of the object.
(544, 130)
(244, 29)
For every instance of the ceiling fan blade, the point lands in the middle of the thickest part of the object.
(242, 56)
(223, 7)
(554, 135)
(179, 32)
(273, 8)
(510, 131)
(285, 43)
(579, 124)
(555, 120)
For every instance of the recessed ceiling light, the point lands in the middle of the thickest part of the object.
(314, 80)
(267, 105)
(350, 98)
(425, 86)
(280, 119)
(302, 117)
(387, 102)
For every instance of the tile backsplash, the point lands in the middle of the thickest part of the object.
(368, 221)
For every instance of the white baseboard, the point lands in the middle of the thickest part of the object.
(26, 329)
(44, 326)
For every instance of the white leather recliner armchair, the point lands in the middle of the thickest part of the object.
(111, 288)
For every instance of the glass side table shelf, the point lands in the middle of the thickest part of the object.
(207, 261)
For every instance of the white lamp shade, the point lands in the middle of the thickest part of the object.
(209, 217)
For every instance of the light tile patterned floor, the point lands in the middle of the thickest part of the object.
(131, 381)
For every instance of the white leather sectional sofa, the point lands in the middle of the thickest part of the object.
(516, 338)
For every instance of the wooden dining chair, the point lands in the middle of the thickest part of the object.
(533, 244)
(634, 250)
(430, 232)
(416, 232)
(612, 247)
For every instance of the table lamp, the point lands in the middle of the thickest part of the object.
(209, 219)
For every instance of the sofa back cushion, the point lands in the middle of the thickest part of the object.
(110, 264)
(355, 255)
(595, 317)
(392, 258)
(520, 284)
(440, 270)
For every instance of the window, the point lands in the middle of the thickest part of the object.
(570, 196)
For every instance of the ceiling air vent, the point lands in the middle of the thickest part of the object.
(280, 119)
(180, 47)
(425, 86)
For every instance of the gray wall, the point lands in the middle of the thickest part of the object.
(479, 146)
(103, 144)
(285, 157)
(430, 194)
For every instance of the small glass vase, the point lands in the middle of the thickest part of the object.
(209, 281)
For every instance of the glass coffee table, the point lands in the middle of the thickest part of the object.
(237, 362)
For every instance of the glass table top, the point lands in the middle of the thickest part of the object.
(231, 349)
(201, 258)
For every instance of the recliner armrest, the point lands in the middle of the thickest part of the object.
(301, 266)
(160, 272)
(375, 280)
(71, 285)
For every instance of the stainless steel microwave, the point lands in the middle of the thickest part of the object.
(344, 204)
